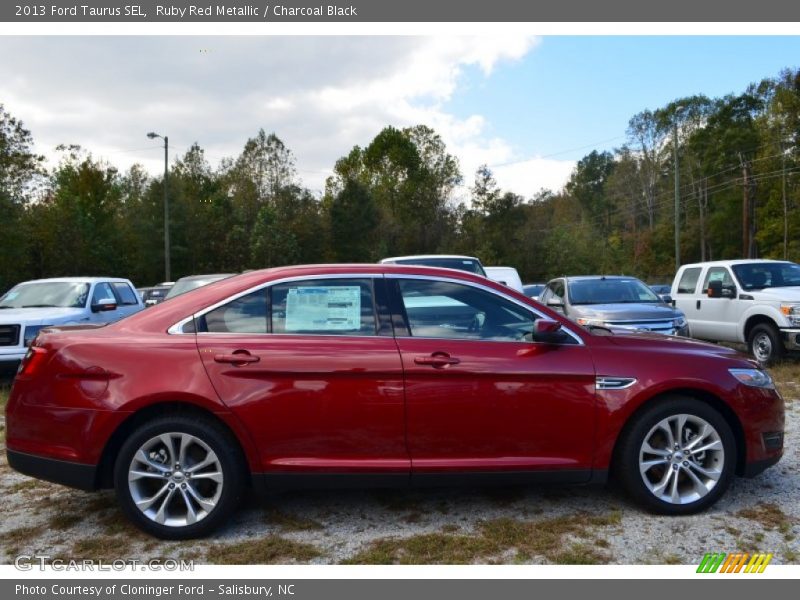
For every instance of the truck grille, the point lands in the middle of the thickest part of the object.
(666, 327)
(9, 335)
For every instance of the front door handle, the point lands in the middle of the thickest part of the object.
(697, 306)
(438, 360)
(239, 358)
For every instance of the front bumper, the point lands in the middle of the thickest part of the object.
(72, 474)
(791, 338)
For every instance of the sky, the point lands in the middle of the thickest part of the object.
(529, 107)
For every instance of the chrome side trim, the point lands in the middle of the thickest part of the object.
(613, 383)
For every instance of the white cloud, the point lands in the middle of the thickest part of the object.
(321, 95)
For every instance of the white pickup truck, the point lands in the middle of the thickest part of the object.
(754, 302)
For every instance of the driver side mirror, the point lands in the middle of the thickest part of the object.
(547, 331)
(717, 290)
(106, 304)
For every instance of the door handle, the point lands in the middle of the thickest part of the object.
(236, 358)
(697, 306)
(437, 360)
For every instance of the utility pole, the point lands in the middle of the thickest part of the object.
(785, 207)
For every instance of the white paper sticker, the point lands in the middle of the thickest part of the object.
(334, 308)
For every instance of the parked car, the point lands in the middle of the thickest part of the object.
(616, 302)
(470, 264)
(664, 292)
(156, 294)
(533, 290)
(754, 302)
(187, 284)
(29, 307)
(378, 375)
(507, 276)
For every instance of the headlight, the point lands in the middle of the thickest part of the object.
(680, 323)
(31, 331)
(791, 312)
(586, 322)
(753, 378)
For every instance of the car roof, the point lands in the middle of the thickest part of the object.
(424, 256)
(209, 276)
(728, 263)
(596, 277)
(78, 280)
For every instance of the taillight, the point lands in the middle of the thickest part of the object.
(32, 362)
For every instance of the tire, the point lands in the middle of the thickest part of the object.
(702, 477)
(192, 500)
(765, 344)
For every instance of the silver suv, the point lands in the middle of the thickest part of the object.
(617, 303)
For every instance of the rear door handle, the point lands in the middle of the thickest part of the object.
(438, 360)
(236, 358)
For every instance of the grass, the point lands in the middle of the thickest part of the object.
(271, 549)
(4, 390)
(770, 516)
(787, 378)
(521, 541)
(14, 539)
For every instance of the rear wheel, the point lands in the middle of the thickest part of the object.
(678, 457)
(179, 477)
(765, 343)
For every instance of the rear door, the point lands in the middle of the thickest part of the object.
(311, 367)
(686, 296)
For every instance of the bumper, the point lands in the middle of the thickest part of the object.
(758, 467)
(72, 474)
(791, 338)
(12, 355)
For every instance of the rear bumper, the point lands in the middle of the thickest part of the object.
(72, 474)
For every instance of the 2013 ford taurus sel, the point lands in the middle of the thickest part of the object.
(377, 375)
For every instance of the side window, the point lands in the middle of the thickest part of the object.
(688, 281)
(103, 291)
(547, 293)
(323, 307)
(124, 293)
(558, 290)
(247, 314)
(719, 274)
(441, 309)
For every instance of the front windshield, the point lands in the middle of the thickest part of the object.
(610, 291)
(59, 294)
(470, 265)
(757, 276)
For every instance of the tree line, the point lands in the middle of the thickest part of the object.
(404, 193)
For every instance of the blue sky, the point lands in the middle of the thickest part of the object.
(569, 92)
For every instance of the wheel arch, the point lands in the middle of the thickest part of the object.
(105, 467)
(696, 394)
(757, 319)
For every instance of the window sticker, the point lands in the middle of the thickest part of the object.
(334, 308)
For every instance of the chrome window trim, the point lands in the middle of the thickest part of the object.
(490, 290)
(177, 328)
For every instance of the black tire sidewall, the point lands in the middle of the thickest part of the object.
(227, 452)
(628, 453)
(775, 339)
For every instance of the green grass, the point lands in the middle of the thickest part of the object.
(270, 549)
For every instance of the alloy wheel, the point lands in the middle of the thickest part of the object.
(681, 459)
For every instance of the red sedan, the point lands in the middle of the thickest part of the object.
(378, 375)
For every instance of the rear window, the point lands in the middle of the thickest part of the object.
(688, 281)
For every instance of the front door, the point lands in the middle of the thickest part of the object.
(305, 366)
(481, 396)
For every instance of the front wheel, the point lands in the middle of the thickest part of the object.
(179, 477)
(765, 343)
(678, 457)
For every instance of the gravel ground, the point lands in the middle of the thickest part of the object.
(500, 525)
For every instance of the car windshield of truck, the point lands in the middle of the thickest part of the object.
(470, 265)
(610, 291)
(757, 276)
(46, 294)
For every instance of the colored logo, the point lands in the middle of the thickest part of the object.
(742, 562)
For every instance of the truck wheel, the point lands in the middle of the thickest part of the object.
(677, 457)
(765, 343)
